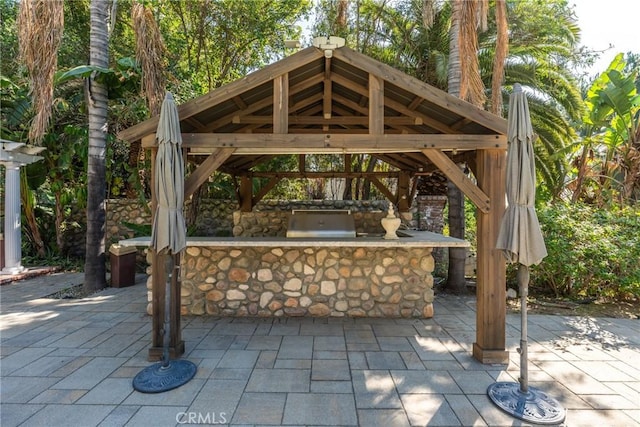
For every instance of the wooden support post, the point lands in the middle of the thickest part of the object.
(159, 277)
(326, 99)
(347, 163)
(376, 105)
(491, 271)
(281, 104)
(246, 193)
(404, 191)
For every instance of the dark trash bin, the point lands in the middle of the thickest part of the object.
(123, 265)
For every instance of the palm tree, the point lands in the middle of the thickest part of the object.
(95, 268)
(541, 52)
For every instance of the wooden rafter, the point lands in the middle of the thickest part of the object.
(232, 89)
(195, 123)
(419, 88)
(239, 102)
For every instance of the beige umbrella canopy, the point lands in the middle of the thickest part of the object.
(521, 241)
(169, 233)
(520, 237)
(169, 229)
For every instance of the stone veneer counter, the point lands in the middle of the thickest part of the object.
(276, 276)
(411, 238)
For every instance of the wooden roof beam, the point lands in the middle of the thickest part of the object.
(460, 123)
(400, 161)
(354, 87)
(350, 104)
(462, 181)
(195, 123)
(268, 143)
(426, 120)
(335, 120)
(333, 174)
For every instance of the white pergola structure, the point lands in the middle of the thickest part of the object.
(13, 155)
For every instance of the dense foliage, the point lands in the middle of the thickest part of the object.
(592, 252)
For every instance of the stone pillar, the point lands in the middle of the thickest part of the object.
(12, 223)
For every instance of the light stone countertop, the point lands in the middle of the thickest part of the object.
(415, 239)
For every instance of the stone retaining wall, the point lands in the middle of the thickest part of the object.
(222, 218)
(281, 281)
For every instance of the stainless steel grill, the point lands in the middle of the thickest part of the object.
(321, 224)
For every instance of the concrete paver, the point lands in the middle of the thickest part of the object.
(71, 362)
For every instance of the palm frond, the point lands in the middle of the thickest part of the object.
(40, 26)
(150, 52)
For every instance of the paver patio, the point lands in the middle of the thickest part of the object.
(71, 362)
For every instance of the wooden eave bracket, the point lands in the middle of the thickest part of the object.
(453, 172)
(204, 171)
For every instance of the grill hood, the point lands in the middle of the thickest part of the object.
(321, 224)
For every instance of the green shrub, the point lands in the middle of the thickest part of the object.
(592, 252)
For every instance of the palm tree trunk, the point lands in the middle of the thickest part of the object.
(456, 281)
(455, 275)
(95, 268)
(502, 49)
(454, 69)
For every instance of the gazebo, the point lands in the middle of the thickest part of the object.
(339, 101)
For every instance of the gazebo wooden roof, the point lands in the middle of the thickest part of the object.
(349, 103)
(344, 102)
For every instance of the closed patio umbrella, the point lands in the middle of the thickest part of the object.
(521, 241)
(169, 235)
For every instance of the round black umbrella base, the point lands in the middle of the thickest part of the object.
(158, 378)
(534, 406)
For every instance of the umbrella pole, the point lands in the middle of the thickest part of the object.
(523, 282)
(520, 400)
(166, 335)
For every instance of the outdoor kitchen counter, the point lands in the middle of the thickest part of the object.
(365, 276)
(411, 238)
